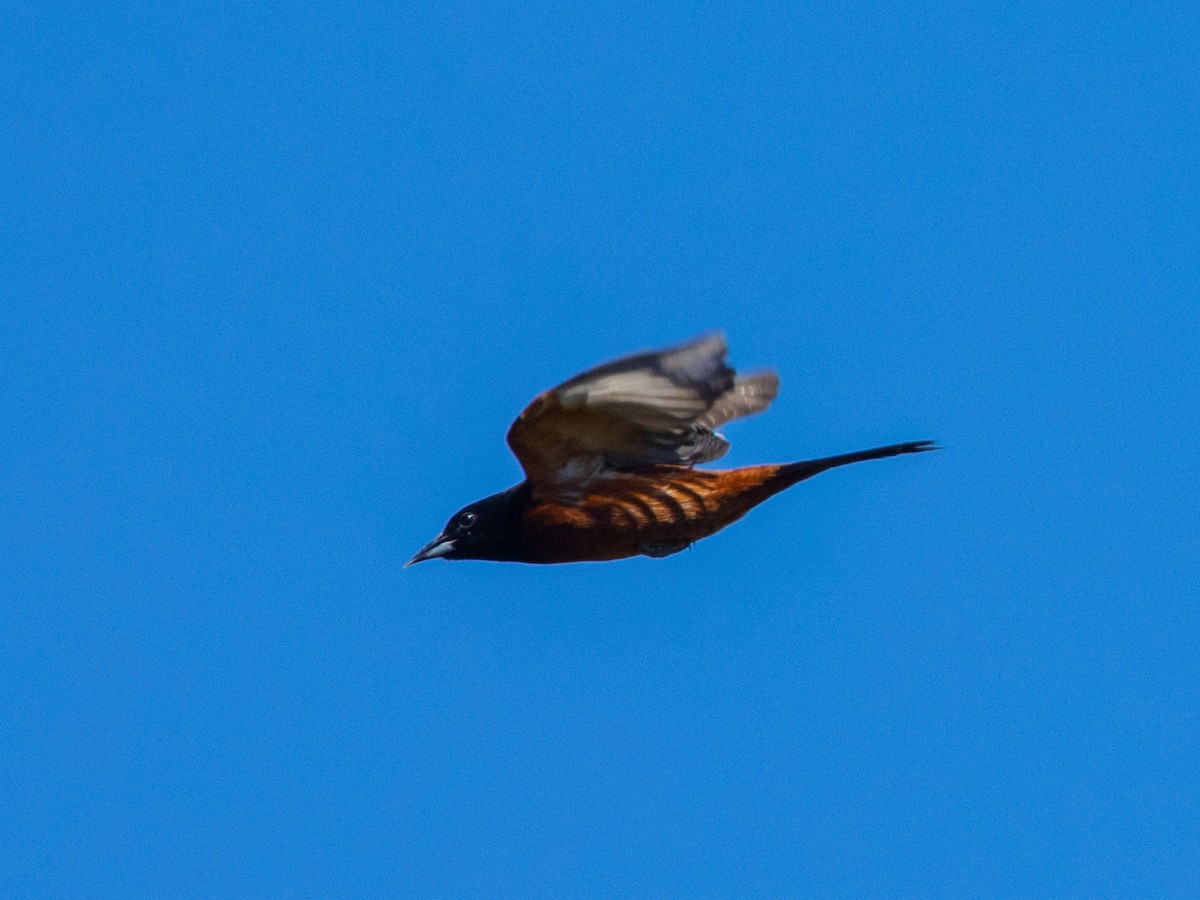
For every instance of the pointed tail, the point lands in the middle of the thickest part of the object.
(795, 472)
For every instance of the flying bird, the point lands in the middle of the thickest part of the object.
(609, 459)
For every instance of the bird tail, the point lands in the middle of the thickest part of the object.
(788, 475)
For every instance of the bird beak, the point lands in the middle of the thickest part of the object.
(439, 546)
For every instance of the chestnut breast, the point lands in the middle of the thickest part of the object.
(617, 515)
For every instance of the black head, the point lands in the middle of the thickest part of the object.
(487, 529)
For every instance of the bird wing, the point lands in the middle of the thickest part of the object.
(641, 410)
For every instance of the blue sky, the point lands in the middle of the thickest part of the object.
(277, 278)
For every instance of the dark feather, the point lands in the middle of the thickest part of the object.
(647, 409)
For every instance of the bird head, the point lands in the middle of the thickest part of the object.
(486, 529)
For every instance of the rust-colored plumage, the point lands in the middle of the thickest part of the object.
(609, 461)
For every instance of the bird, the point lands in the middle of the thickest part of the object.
(610, 460)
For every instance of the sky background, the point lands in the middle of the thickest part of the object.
(276, 279)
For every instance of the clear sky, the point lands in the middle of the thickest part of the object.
(276, 279)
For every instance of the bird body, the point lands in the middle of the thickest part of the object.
(610, 459)
(652, 511)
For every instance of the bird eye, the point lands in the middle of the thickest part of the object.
(466, 520)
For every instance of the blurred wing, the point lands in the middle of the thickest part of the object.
(642, 410)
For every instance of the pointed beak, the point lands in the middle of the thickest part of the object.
(439, 546)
